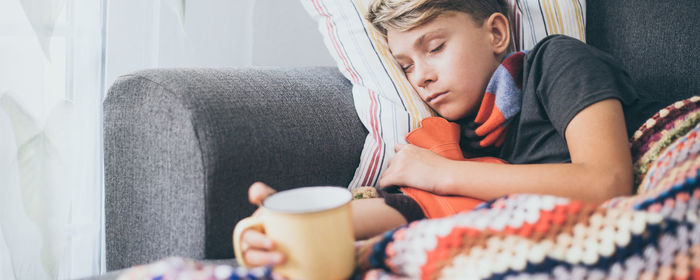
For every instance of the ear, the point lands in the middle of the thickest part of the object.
(499, 29)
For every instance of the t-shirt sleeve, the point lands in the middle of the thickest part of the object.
(568, 76)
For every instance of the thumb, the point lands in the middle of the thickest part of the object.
(258, 191)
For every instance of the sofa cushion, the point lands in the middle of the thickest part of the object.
(182, 146)
(656, 41)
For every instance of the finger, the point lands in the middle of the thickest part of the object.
(259, 258)
(256, 240)
(258, 191)
(386, 180)
(381, 183)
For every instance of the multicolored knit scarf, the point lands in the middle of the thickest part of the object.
(502, 100)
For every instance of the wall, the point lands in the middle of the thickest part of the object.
(210, 33)
(285, 35)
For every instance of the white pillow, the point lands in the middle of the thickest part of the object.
(385, 102)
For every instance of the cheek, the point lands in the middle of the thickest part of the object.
(458, 65)
(414, 84)
(472, 73)
(461, 74)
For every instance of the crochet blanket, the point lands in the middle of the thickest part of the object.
(652, 234)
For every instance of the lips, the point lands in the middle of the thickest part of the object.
(435, 97)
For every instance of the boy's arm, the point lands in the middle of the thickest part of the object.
(600, 168)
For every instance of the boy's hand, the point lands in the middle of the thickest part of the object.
(416, 167)
(257, 248)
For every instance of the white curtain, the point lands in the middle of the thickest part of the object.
(51, 87)
(177, 33)
(57, 59)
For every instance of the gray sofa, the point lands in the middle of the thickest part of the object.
(183, 145)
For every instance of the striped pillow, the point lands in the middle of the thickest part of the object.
(384, 100)
(533, 20)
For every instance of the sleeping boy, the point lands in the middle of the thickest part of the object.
(560, 114)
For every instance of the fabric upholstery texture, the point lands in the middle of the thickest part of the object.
(152, 176)
(384, 100)
(183, 145)
(655, 41)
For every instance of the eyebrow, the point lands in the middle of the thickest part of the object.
(422, 38)
(426, 35)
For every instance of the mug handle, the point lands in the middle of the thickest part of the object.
(254, 223)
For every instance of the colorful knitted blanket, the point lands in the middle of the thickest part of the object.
(654, 234)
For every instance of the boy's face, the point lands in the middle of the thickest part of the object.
(448, 61)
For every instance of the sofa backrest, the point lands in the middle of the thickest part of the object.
(658, 42)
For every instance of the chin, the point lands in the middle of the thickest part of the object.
(453, 113)
(450, 116)
(452, 119)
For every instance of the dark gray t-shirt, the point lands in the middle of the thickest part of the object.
(561, 77)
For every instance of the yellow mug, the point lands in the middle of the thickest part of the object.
(311, 226)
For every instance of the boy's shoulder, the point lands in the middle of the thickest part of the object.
(556, 46)
(560, 52)
(558, 41)
(559, 38)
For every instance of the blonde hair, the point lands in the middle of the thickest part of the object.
(404, 15)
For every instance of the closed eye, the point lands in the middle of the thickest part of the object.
(438, 48)
(406, 68)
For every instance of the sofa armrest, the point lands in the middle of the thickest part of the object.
(183, 145)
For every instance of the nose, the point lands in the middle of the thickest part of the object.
(424, 75)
